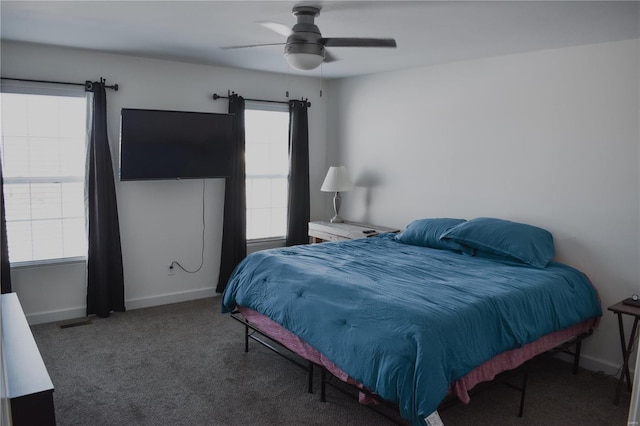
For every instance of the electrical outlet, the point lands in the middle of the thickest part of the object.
(171, 270)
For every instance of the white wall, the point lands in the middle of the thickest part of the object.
(548, 138)
(159, 221)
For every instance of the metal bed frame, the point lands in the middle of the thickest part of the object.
(386, 408)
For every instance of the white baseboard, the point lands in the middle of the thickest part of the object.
(53, 316)
(165, 299)
(587, 362)
(593, 364)
(144, 302)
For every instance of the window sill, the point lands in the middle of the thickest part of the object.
(265, 240)
(48, 262)
(264, 244)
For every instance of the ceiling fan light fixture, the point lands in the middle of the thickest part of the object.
(304, 61)
(303, 56)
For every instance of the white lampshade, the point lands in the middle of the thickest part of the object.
(337, 180)
(304, 61)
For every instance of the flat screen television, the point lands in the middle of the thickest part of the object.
(157, 144)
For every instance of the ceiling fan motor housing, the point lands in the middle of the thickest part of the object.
(304, 47)
(306, 36)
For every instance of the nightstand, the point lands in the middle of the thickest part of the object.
(320, 231)
(621, 308)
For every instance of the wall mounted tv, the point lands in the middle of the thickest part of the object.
(158, 144)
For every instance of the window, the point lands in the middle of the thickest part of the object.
(267, 167)
(43, 160)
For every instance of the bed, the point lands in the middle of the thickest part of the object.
(416, 316)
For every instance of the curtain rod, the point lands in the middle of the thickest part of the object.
(229, 93)
(87, 84)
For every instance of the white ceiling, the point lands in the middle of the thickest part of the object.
(427, 32)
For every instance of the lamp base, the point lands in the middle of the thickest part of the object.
(336, 219)
(337, 200)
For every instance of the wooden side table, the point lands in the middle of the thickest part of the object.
(320, 231)
(620, 309)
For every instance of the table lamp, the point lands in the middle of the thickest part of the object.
(336, 181)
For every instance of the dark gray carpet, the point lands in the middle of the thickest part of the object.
(184, 364)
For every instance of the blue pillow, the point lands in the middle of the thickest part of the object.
(526, 243)
(427, 232)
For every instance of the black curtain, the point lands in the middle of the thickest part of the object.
(298, 212)
(5, 266)
(105, 278)
(234, 228)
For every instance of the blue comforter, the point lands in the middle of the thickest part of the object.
(404, 320)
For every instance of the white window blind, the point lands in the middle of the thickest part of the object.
(267, 168)
(43, 162)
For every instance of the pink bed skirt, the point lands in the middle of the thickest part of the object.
(485, 372)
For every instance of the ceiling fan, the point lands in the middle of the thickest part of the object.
(305, 47)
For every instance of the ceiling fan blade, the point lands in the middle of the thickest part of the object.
(358, 42)
(279, 28)
(251, 45)
(328, 57)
